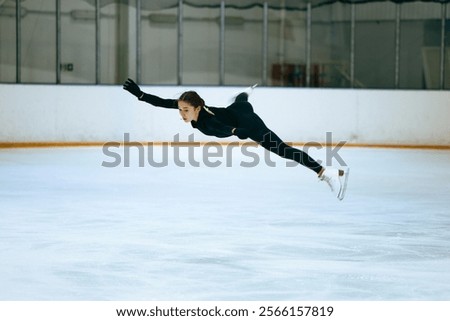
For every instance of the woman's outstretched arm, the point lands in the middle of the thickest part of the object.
(134, 89)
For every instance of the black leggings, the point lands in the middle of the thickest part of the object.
(260, 133)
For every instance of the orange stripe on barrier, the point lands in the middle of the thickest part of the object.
(196, 144)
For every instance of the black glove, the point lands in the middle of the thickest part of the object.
(242, 133)
(133, 88)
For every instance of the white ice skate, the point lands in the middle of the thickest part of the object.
(243, 93)
(336, 180)
(249, 90)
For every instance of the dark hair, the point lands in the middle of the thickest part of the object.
(192, 98)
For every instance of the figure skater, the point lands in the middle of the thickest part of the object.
(240, 120)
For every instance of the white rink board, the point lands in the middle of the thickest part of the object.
(63, 113)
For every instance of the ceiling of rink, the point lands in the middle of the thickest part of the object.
(242, 4)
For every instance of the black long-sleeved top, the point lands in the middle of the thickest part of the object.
(212, 121)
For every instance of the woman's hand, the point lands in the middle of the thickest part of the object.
(133, 88)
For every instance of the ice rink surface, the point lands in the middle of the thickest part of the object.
(72, 229)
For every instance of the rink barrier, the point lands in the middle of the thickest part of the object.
(96, 114)
(5, 145)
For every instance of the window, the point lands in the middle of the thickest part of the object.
(373, 44)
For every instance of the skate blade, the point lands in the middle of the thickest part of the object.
(247, 91)
(341, 194)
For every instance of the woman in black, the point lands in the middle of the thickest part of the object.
(239, 119)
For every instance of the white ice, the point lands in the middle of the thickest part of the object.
(71, 229)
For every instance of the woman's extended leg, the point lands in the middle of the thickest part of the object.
(270, 141)
(336, 179)
(260, 133)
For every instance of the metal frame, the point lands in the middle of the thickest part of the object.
(97, 42)
(442, 62)
(398, 12)
(222, 44)
(308, 43)
(138, 42)
(265, 42)
(352, 45)
(58, 41)
(18, 42)
(180, 43)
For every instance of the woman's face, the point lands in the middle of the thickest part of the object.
(187, 111)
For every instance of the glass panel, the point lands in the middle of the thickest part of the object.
(117, 34)
(159, 44)
(330, 46)
(201, 33)
(447, 49)
(77, 42)
(243, 46)
(420, 45)
(110, 36)
(375, 45)
(287, 48)
(38, 41)
(8, 41)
